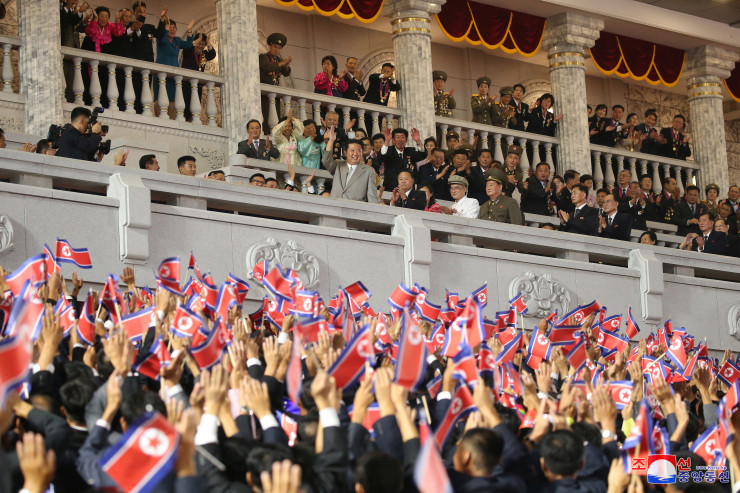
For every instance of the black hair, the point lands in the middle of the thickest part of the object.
(681, 117)
(549, 96)
(405, 170)
(617, 106)
(2, 132)
(540, 164)
(308, 122)
(630, 116)
(139, 403)
(400, 130)
(600, 106)
(184, 159)
(261, 458)
(428, 186)
(691, 187)
(485, 447)
(351, 58)
(102, 8)
(137, 4)
(379, 472)
(360, 130)
(173, 23)
(386, 64)
(80, 111)
(642, 177)
(580, 186)
(587, 432)
(253, 121)
(146, 159)
(603, 190)
(437, 149)
(74, 396)
(104, 366)
(216, 172)
(583, 178)
(569, 175)
(268, 180)
(651, 235)
(42, 146)
(354, 141)
(376, 137)
(333, 62)
(257, 175)
(562, 451)
(707, 212)
(524, 89)
(235, 450)
(430, 139)
(485, 150)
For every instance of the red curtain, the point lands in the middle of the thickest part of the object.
(494, 27)
(733, 83)
(639, 59)
(364, 10)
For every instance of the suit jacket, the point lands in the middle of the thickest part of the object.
(543, 124)
(69, 22)
(190, 60)
(360, 186)
(392, 164)
(415, 199)
(716, 243)
(564, 202)
(671, 149)
(639, 214)
(534, 198)
(261, 153)
(373, 90)
(521, 115)
(355, 90)
(649, 146)
(620, 228)
(682, 214)
(142, 43)
(270, 71)
(607, 137)
(585, 222)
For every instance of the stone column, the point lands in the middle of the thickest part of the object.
(567, 37)
(706, 67)
(412, 44)
(239, 64)
(39, 64)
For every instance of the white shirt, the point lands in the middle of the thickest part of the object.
(611, 216)
(351, 169)
(466, 207)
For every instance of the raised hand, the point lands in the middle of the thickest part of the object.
(119, 350)
(37, 464)
(255, 396)
(285, 478)
(215, 386)
(164, 12)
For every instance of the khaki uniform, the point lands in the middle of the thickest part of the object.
(481, 106)
(500, 116)
(502, 210)
(444, 104)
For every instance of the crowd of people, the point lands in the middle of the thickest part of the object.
(179, 389)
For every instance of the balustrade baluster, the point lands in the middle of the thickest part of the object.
(320, 185)
(112, 92)
(535, 153)
(443, 129)
(163, 100)
(643, 167)
(471, 136)
(95, 90)
(497, 154)
(211, 108)
(128, 89)
(272, 116)
(679, 178)
(78, 86)
(389, 121)
(656, 177)
(608, 170)
(179, 100)
(620, 163)
(376, 125)
(195, 106)
(146, 94)
(7, 73)
(548, 156)
(666, 171)
(484, 140)
(633, 168)
(345, 115)
(287, 105)
(317, 112)
(597, 173)
(524, 162)
(302, 109)
(361, 120)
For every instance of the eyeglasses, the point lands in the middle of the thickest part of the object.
(457, 187)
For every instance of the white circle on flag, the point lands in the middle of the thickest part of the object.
(272, 306)
(154, 442)
(710, 446)
(66, 251)
(363, 349)
(164, 271)
(439, 338)
(421, 297)
(184, 323)
(601, 337)
(625, 395)
(578, 316)
(456, 405)
(307, 305)
(542, 340)
(482, 297)
(489, 360)
(728, 372)
(414, 337)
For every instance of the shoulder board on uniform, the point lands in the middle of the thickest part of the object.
(476, 95)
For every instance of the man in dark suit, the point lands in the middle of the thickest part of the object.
(649, 143)
(536, 191)
(195, 58)
(70, 18)
(142, 38)
(585, 219)
(399, 156)
(381, 85)
(433, 172)
(355, 89)
(672, 142)
(614, 224)
(686, 214)
(405, 196)
(610, 128)
(257, 148)
(621, 190)
(709, 240)
(563, 198)
(638, 207)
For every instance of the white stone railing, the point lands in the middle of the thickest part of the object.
(50, 172)
(9, 44)
(501, 139)
(154, 75)
(607, 162)
(309, 105)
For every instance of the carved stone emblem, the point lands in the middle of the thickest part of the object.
(733, 321)
(6, 235)
(543, 294)
(289, 255)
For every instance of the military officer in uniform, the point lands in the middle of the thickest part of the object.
(499, 208)
(482, 102)
(509, 173)
(444, 103)
(272, 66)
(503, 115)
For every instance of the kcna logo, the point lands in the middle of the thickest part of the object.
(661, 469)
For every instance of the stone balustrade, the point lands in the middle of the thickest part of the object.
(308, 105)
(498, 139)
(154, 76)
(9, 45)
(607, 162)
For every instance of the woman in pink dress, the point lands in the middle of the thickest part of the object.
(328, 82)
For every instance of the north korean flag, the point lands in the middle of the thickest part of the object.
(708, 446)
(732, 397)
(6, 306)
(577, 356)
(293, 377)
(192, 264)
(729, 372)
(563, 335)
(509, 351)
(676, 352)
(486, 361)
(67, 319)
(465, 368)
(272, 312)
(506, 318)
(461, 404)
(455, 337)
(688, 371)
(474, 332)
(510, 379)
(137, 324)
(517, 303)
(381, 329)
(578, 315)
(34, 314)
(65, 253)
(632, 328)
(427, 310)
(506, 335)
(652, 368)
(613, 323)
(621, 392)
(411, 362)
(143, 456)
(148, 363)
(15, 352)
(50, 265)
(447, 314)
(86, 323)
(430, 474)
(210, 295)
(434, 386)
(661, 440)
(242, 288)
(358, 292)
(32, 270)
(186, 323)
(402, 296)
(437, 339)
(170, 269)
(208, 353)
(110, 296)
(489, 328)
(351, 363)
(539, 345)
(278, 283)
(610, 341)
(311, 327)
(225, 300)
(305, 302)
(257, 316)
(452, 300)
(639, 444)
(163, 354)
(481, 294)
(260, 269)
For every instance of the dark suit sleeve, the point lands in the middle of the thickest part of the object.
(586, 224)
(716, 244)
(54, 428)
(626, 232)
(89, 454)
(681, 215)
(358, 442)
(388, 436)
(215, 480)
(331, 464)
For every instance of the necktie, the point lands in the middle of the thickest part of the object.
(624, 192)
(706, 237)
(693, 209)
(351, 170)
(256, 145)
(610, 220)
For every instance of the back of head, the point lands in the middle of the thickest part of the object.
(146, 159)
(261, 458)
(80, 111)
(378, 472)
(485, 447)
(562, 451)
(139, 403)
(74, 396)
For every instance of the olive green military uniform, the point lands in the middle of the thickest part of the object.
(444, 102)
(502, 210)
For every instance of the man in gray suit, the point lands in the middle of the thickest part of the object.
(353, 180)
(257, 148)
